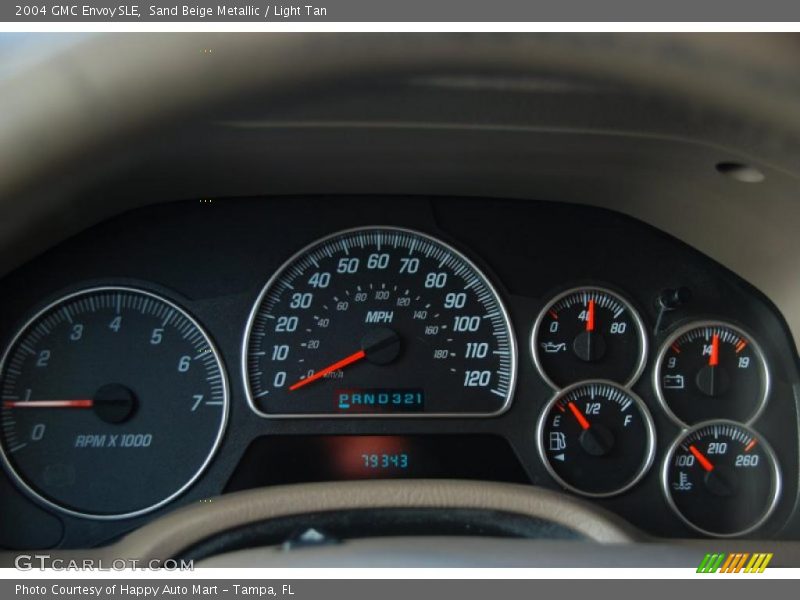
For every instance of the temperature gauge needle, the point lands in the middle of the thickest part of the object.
(48, 404)
(704, 462)
(349, 360)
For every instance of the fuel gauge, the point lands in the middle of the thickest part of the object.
(596, 438)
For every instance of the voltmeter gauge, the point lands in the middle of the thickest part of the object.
(596, 438)
(711, 370)
(722, 478)
(589, 333)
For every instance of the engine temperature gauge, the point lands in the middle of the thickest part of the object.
(588, 333)
(711, 370)
(596, 438)
(722, 478)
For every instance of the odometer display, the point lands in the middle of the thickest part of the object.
(379, 322)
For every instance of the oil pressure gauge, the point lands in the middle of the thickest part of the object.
(588, 333)
(596, 438)
(711, 370)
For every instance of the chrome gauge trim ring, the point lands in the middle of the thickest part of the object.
(677, 333)
(777, 485)
(27, 489)
(642, 334)
(651, 438)
(345, 232)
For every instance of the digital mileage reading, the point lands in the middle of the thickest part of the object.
(379, 321)
(284, 460)
(384, 462)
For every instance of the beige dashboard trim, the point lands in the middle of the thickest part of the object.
(174, 533)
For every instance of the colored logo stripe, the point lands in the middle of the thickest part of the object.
(758, 563)
(710, 563)
(735, 562)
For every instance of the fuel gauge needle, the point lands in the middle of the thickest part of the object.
(582, 421)
(48, 403)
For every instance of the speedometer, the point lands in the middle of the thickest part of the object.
(379, 321)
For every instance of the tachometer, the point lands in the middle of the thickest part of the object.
(379, 321)
(114, 400)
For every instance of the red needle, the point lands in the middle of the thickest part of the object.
(704, 462)
(355, 357)
(579, 415)
(590, 317)
(48, 404)
(713, 360)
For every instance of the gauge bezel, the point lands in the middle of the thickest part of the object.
(766, 383)
(650, 427)
(642, 334)
(777, 481)
(346, 232)
(40, 498)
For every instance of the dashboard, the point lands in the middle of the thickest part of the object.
(185, 350)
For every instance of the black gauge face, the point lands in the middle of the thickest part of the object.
(596, 438)
(722, 478)
(379, 321)
(711, 370)
(113, 402)
(588, 333)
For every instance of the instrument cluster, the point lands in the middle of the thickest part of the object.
(543, 344)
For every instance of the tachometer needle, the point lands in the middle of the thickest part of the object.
(355, 357)
(704, 462)
(590, 316)
(713, 360)
(48, 404)
(579, 415)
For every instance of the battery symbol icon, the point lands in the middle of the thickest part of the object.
(673, 382)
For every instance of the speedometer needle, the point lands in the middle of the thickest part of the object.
(349, 360)
(48, 404)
